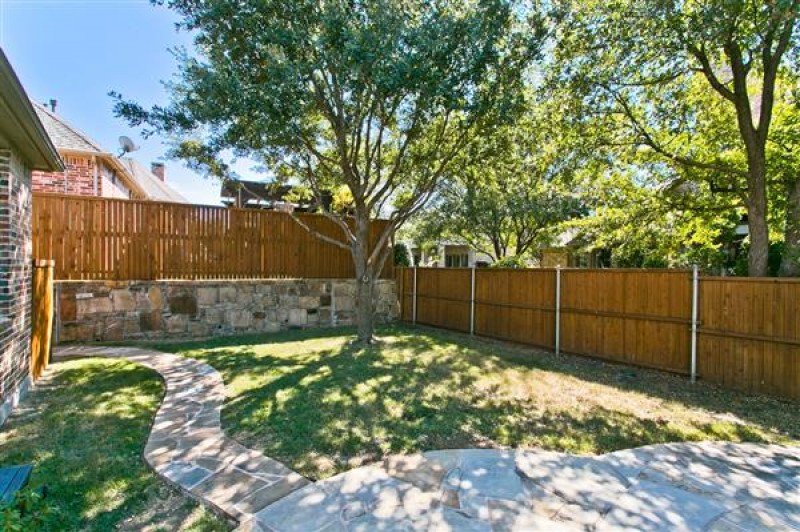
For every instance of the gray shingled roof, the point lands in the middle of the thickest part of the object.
(63, 135)
(153, 187)
(69, 138)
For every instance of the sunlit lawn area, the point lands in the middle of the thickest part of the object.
(321, 405)
(84, 428)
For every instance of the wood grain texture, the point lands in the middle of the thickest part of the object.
(42, 314)
(748, 333)
(112, 239)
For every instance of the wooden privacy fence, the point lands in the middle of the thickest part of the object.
(112, 239)
(742, 333)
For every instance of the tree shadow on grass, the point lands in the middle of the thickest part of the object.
(325, 411)
(770, 413)
(84, 428)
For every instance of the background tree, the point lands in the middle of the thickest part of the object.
(507, 191)
(652, 210)
(402, 256)
(632, 62)
(377, 96)
(649, 225)
(783, 159)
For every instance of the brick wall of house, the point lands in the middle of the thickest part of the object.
(15, 280)
(78, 179)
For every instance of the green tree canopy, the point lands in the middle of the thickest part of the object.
(378, 96)
(509, 190)
(632, 66)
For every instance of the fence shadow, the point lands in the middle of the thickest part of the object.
(771, 413)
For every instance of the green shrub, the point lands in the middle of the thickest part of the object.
(402, 257)
(775, 254)
(510, 262)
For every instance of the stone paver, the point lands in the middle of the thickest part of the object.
(679, 486)
(187, 445)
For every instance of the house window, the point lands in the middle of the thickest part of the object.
(459, 260)
(582, 260)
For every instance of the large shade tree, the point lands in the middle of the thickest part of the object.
(377, 96)
(633, 62)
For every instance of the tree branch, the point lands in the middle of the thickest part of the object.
(319, 235)
(708, 71)
(651, 142)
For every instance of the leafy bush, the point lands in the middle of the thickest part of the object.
(29, 511)
(402, 256)
(510, 262)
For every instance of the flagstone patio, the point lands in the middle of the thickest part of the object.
(688, 486)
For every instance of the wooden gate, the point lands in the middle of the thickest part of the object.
(41, 316)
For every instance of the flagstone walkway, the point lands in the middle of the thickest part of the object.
(679, 486)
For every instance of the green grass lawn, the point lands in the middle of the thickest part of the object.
(321, 405)
(84, 428)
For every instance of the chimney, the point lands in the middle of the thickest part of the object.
(158, 170)
(53, 104)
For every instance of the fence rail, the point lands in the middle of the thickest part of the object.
(746, 331)
(111, 239)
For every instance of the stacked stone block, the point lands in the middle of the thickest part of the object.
(121, 310)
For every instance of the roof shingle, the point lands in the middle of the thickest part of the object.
(65, 136)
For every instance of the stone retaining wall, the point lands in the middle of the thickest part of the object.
(123, 310)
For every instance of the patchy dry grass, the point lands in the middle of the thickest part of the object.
(322, 405)
(84, 428)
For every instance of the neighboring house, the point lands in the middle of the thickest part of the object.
(92, 171)
(152, 182)
(24, 147)
(449, 254)
(569, 251)
(269, 196)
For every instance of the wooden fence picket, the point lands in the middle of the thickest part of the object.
(93, 238)
(748, 329)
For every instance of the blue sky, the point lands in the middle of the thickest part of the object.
(76, 51)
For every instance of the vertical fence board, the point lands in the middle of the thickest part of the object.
(112, 239)
(748, 334)
(517, 305)
(443, 297)
(749, 337)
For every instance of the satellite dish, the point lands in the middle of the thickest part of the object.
(126, 145)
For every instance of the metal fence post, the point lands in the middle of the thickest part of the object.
(695, 291)
(472, 305)
(558, 310)
(414, 299)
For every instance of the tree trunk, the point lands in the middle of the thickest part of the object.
(790, 262)
(365, 313)
(757, 216)
(365, 283)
